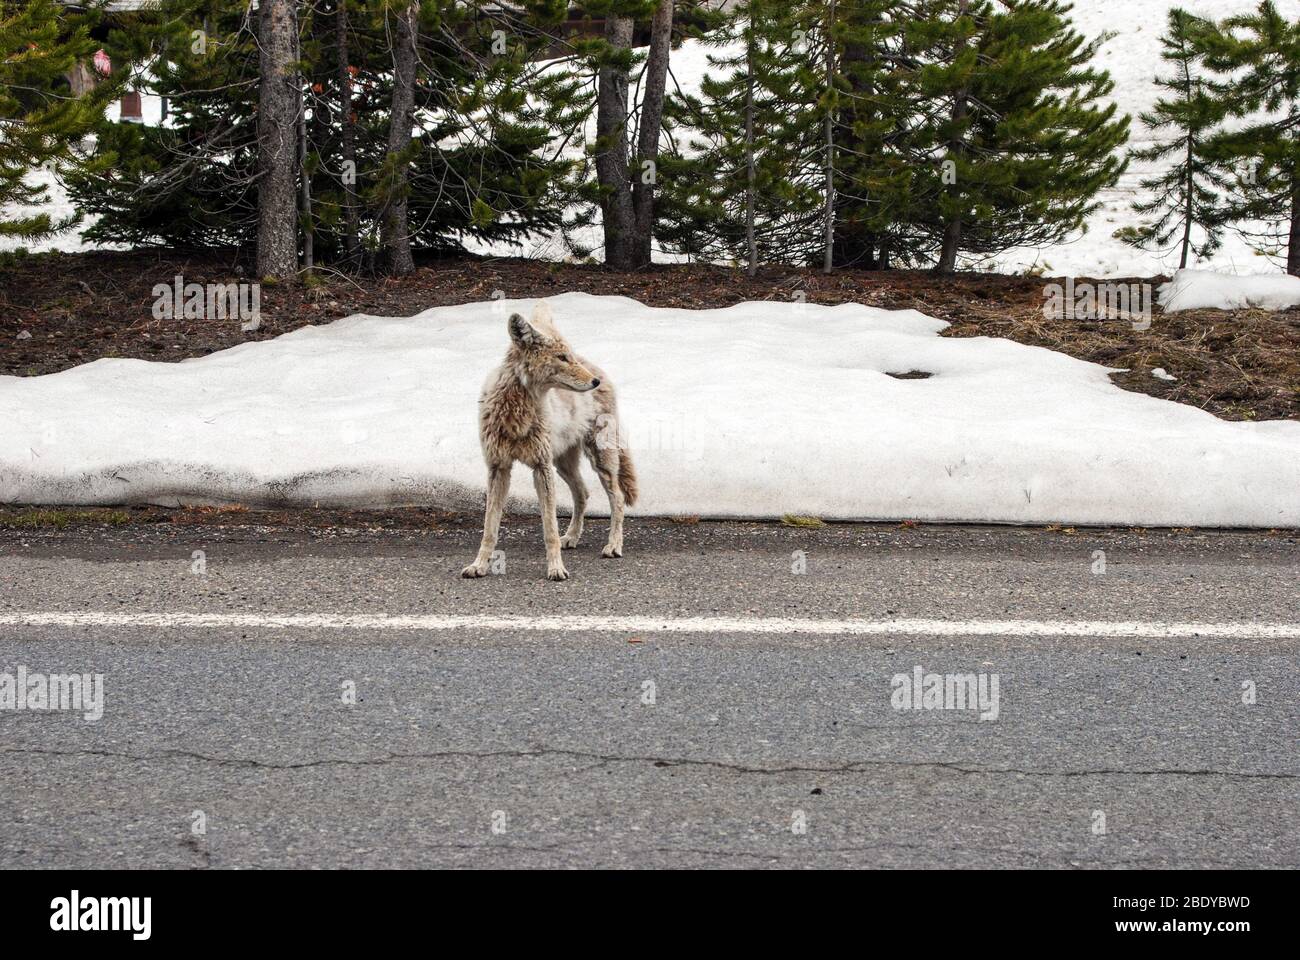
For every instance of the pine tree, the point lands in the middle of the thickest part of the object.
(1186, 196)
(1034, 145)
(191, 181)
(876, 164)
(934, 127)
(946, 41)
(744, 180)
(484, 121)
(42, 121)
(1257, 56)
(625, 154)
(488, 117)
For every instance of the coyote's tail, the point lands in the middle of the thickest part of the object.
(627, 477)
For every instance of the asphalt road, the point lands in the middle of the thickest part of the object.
(532, 745)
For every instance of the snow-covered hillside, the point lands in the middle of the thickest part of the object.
(726, 414)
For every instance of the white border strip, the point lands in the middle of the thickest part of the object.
(652, 624)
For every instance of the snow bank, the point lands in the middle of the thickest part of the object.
(1204, 289)
(756, 410)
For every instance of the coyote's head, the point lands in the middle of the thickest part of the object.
(542, 358)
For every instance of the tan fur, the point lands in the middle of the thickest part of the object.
(540, 407)
(627, 478)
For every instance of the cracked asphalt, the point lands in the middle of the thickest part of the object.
(469, 748)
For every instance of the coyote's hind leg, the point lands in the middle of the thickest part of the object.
(604, 460)
(567, 465)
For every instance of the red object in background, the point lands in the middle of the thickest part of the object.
(103, 64)
(132, 109)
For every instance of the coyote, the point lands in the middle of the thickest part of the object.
(521, 417)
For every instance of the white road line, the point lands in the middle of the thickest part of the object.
(652, 624)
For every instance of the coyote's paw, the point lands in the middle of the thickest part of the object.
(611, 551)
(557, 572)
(475, 570)
(568, 542)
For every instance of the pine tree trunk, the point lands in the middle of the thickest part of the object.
(277, 146)
(1293, 242)
(1189, 185)
(351, 217)
(652, 113)
(828, 260)
(751, 242)
(952, 229)
(304, 178)
(618, 214)
(951, 244)
(396, 227)
(308, 241)
(854, 244)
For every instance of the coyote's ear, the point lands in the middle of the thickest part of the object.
(524, 333)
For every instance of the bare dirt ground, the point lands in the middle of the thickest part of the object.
(1239, 365)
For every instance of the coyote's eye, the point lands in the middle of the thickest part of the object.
(564, 358)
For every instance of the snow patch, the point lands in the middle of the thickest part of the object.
(1207, 290)
(760, 409)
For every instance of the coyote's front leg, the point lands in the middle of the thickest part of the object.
(544, 481)
(498, 489)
